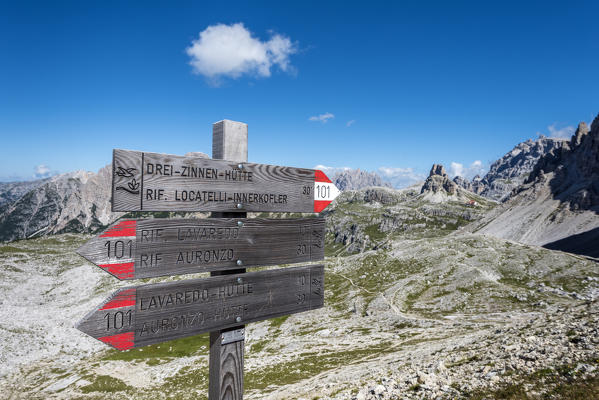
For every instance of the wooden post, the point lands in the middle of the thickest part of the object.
(229, 142)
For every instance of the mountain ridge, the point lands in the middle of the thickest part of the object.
(72, 202)
(355, 179)
(511, 170)
(559, 199)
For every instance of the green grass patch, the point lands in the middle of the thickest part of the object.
(414, 296)
(275, 323)
(104, 383)
(374, 233)
(371, 275)
(514, 281)
(332, 248)
(462, 361)
(308, 365)
(189, 346)
(12, 249)
(259, 345)
(188, 383)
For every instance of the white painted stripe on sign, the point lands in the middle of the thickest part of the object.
(325, 191)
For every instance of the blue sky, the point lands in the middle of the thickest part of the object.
(423, 82)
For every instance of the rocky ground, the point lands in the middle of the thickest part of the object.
(552, 347)
(558, 200)
(419, 308)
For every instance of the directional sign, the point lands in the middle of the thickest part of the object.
(148, 314)
(162, 182)
(133, 249)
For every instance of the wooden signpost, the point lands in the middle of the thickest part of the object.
(148, 314)
(134, 249)
(164, 182)
(224, 245)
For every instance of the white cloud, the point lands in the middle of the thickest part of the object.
(401, 177)
(350, 123)
(322, 117)
(330, 171)
(231, 51)
(456, 169)
(42, 171)
(560, 133)
(469, 172)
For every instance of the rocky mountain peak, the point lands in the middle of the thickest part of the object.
(438, 169)
(439, 182)
(72, 202)
(595, 124)
(355, 179)
(12, 191)
(574, 168)
(581, 131)
(514, 167)
(558, 204)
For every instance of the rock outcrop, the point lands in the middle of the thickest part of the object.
(438, 188)
(463, 183)
(574, 169)
(558, 200)
(477, 184)
(438, 182)
(511, 170)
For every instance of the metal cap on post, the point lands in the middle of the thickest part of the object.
(229, 142)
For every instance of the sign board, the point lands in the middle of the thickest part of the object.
(163, 182)
(148, 314)
(133, 249)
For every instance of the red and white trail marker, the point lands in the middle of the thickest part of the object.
(224, 245)
(163, 182)
(324, 191)
(147, 248)
(148, 314)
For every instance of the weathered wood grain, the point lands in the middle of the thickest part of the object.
(226, 368)
(154, 313)
(162, 182)
(133, 249)
(229, 142)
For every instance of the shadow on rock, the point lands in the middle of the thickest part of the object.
(585, 244)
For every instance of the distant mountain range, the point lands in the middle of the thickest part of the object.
(12, 191)
(73, 202)
(80, 202)
(548, 190)
(355, 179)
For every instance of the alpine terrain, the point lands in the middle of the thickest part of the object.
(511, 170)
(558, 204)
(431, 292)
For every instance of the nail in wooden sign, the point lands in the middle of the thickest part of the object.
(134, 249)
(163, 182)
(148, 314)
